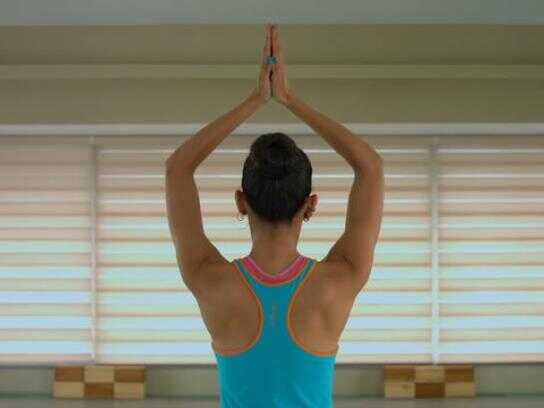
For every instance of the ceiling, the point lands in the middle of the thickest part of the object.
(121, 12)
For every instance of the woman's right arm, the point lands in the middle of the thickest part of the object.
(355, 247)
(365, 203)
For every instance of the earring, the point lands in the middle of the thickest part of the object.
(240, 216)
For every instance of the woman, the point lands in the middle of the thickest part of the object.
(275, 316)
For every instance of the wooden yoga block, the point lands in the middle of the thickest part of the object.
(99, 382)
(429, 381)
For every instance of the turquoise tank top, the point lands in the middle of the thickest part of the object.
(275, 370)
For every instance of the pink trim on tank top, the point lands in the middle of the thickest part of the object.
(283, 276)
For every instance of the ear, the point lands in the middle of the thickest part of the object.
(311, 205)
(240, 200)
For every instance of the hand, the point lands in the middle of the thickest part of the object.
(263, 91)
(280, 90)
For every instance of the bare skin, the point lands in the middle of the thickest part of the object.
(324, 303)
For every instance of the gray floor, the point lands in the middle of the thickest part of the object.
(481, 402)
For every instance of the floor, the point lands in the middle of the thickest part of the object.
(482, 402)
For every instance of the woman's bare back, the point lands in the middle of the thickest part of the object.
(319, 312)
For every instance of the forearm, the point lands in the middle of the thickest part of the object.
(360, 155)
(194, 150)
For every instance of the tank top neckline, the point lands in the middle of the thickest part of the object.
(283, 276)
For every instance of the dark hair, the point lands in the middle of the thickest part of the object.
(277, 177)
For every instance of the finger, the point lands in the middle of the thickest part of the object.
(270, 45)
(278, 71)
(267, 48)
(274, 38)
(269, 76)
(265, 72)
(278, 50)
(262, 80)
(269, 39)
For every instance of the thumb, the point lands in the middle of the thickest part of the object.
(265, 72)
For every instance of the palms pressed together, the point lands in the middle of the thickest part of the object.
(272, 77)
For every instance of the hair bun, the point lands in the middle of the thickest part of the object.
(276, 159)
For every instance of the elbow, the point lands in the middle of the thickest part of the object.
(169, 167)
(377, 162)
(175, 164)
(168, 163)
(171, 160)
(370, 164)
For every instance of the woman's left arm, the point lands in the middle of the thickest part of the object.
(193, 248)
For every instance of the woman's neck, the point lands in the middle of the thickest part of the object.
(274, 247)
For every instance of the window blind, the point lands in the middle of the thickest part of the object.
(145, 312)
(458, 272)
(491, 248)
(45, 250)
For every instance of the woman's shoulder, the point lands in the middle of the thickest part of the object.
(337, 275)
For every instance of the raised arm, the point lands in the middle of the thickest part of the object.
(356, 245)
(365, 204)
(193, 249)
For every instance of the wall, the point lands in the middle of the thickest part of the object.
(193, 73)
(363, 74)
(350, 380)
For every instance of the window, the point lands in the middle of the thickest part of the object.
(88, 270)
(46, 267)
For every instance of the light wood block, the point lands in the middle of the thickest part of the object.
(128, 390)
(100, 382)
(99, 374)
(400, 389)
(429, 381)
(68, 389)
(429, 374)
(460, 389)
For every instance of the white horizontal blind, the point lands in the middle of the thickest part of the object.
(436, 286)
(491, 249)
(391, 319)
(45, 250)
(146, 313)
